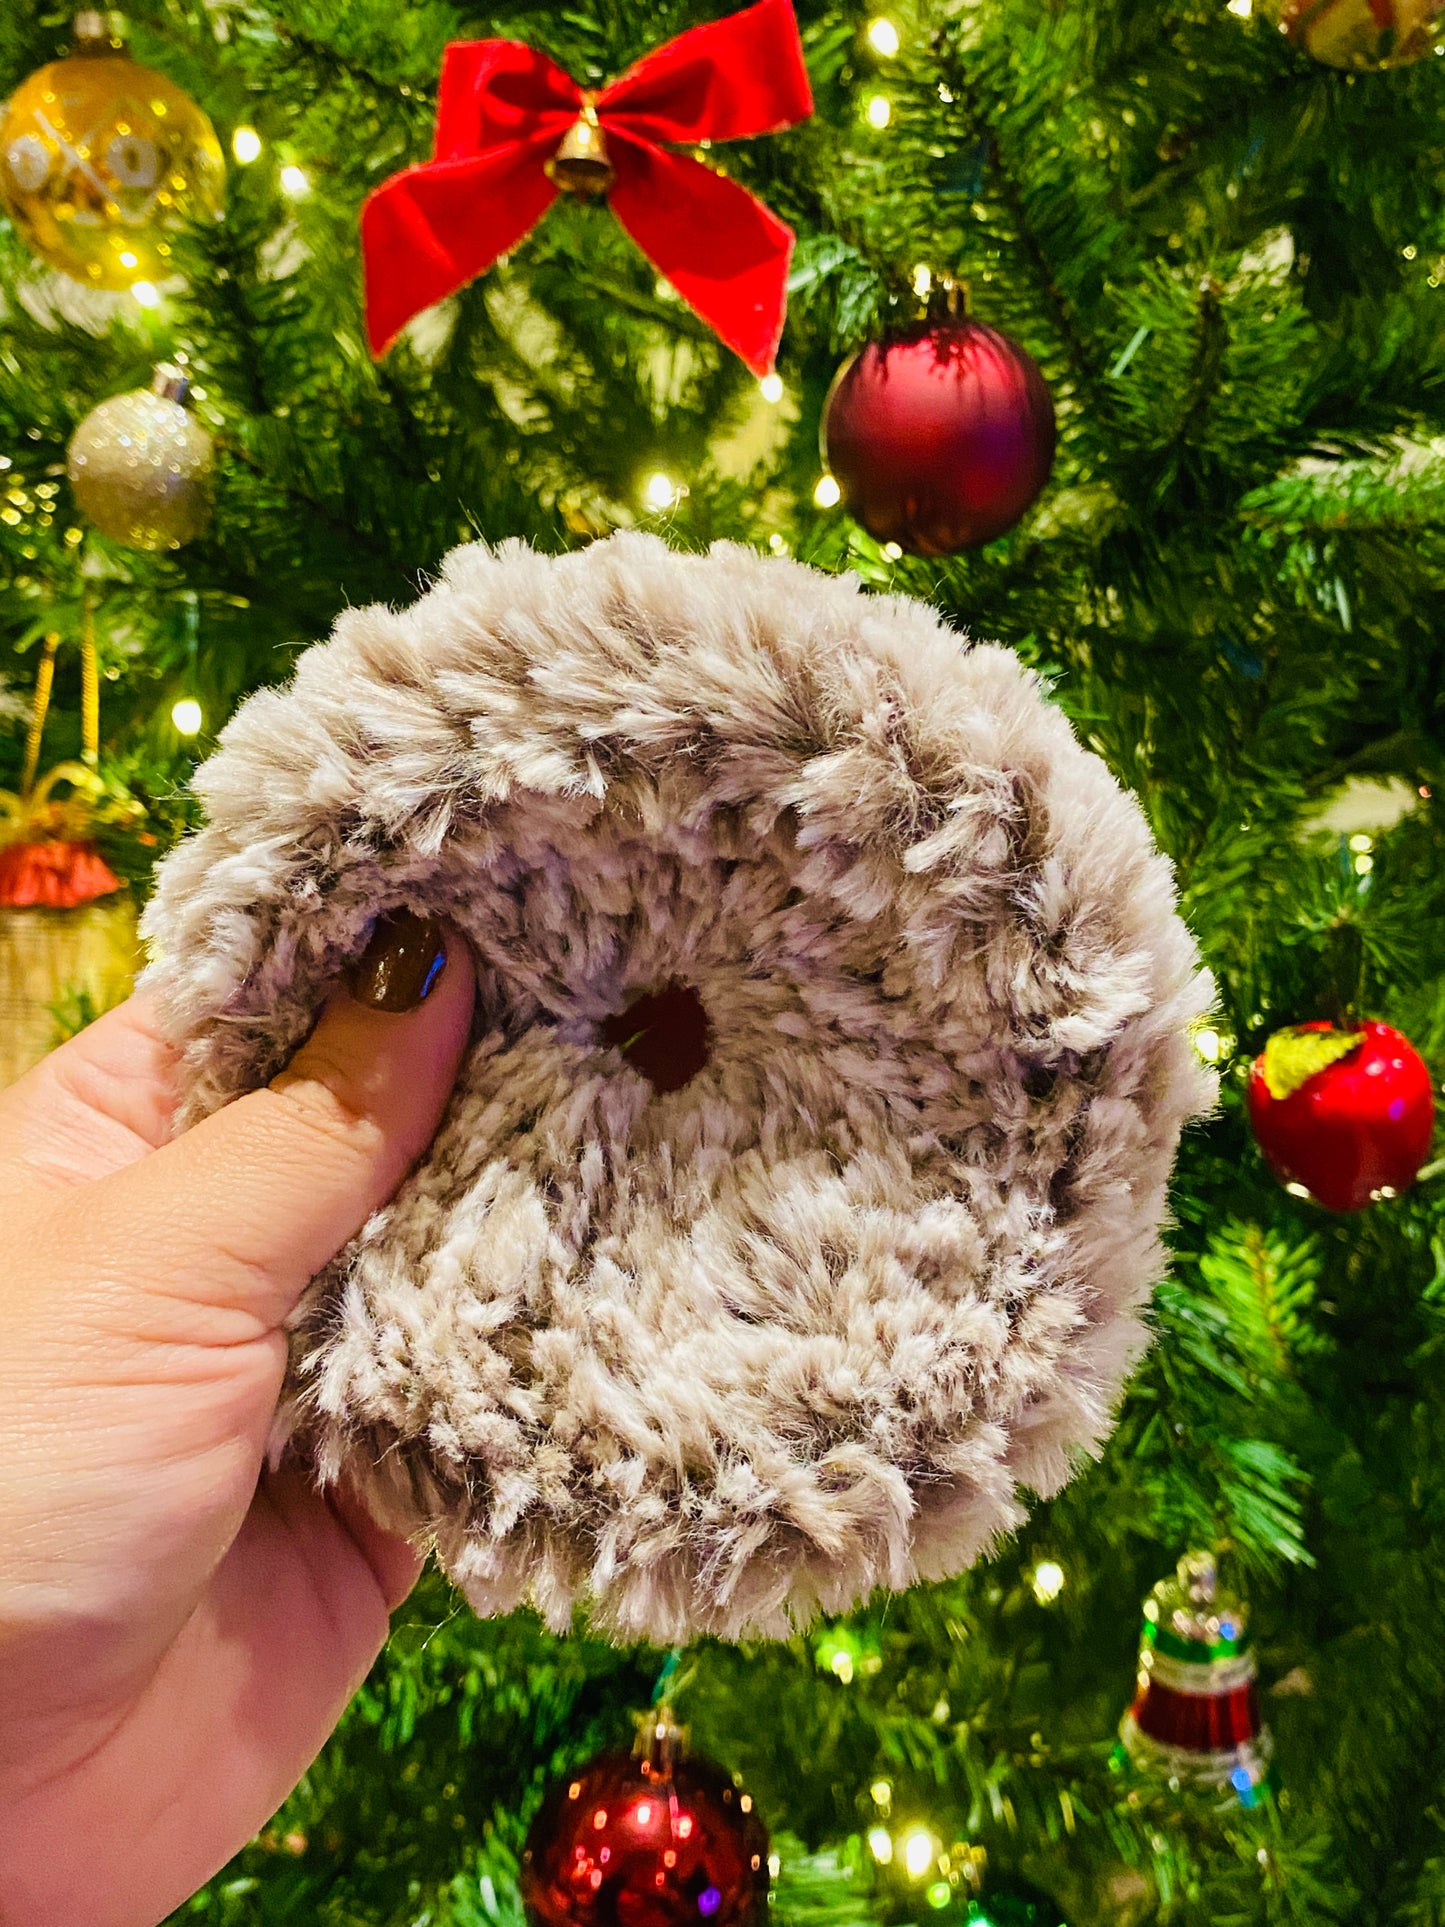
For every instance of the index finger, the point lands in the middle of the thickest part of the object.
(98, 1103)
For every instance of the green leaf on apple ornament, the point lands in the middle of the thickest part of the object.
(1294, 1055)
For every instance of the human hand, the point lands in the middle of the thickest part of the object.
(180, 1629)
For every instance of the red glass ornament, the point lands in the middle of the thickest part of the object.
(651, 1841)
(939, 436)
(1354, 1130)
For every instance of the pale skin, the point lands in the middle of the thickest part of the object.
(180, 1628)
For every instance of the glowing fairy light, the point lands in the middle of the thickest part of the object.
(919, 1851)
(1048, 1581)
(660, 491)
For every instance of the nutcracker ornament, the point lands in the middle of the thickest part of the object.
(940, 436)
(654, 1838)
(102, 159)
(1363, 35)
(141, 465)
(1195, 1718)
(1343, 1116)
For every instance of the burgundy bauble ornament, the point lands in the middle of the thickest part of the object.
(939, 436)
(651, 1839)
(1342, 1114)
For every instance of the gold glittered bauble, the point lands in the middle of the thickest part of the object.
(1364, 35)
(101, 159)
(140, 466)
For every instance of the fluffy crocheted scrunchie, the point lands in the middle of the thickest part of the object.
(718, 1356)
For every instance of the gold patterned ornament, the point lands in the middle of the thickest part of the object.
(1363, 35)
(141, 465)
(101, 159)
(68, 944)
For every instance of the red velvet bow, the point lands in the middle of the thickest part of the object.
(504, 109)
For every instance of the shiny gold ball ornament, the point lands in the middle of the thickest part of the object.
(1363, 35)
(140, 465)
(101, 159)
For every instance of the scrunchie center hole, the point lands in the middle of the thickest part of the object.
(664, 1035)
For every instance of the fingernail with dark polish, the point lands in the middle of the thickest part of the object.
(402, 964)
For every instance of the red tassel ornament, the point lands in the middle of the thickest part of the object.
(54, 876)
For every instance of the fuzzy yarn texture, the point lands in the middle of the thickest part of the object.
(717, 1358)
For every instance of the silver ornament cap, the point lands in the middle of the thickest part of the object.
(141, 465)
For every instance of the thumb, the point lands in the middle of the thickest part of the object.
(244, 1209)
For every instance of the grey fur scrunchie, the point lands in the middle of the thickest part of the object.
(713, 1358)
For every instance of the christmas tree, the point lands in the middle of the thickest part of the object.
(1223, 245)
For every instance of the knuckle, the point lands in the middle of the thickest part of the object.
(333, 1124)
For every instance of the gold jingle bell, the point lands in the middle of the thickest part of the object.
(580, 166)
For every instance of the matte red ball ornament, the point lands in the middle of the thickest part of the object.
(939, 436)
(657, 1839)
(1345, 1115)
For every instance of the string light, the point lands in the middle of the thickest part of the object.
(882, 1792)
(295, 182)
(893, 551)
(883, 37)
(659, 491)
(147, 293)
(827, 495)
(919, 1851)
(1048, 1581)
(187, 717)
(880, 1845)
(772, 387)
(129, 260)
(1244, 8)
(246, 145)
(1209, 1045)
(879, 111)
(922, 280)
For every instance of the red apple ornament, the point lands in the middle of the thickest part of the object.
(1347, 1114)
(939, 436)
